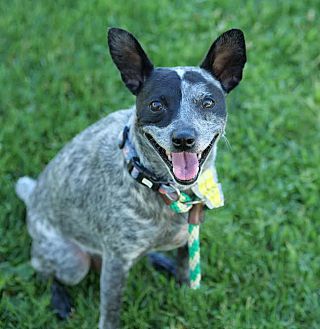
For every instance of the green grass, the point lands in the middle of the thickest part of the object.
(261, 252)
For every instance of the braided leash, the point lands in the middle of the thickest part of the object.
(209, 191)
(194, 256)
(183, 205)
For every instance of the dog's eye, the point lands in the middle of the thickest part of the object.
(208, 103)
(155, 106)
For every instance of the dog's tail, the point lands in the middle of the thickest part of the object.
(24, 187)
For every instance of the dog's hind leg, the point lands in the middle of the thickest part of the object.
(112, 280)
(60, 258)
(55, 256)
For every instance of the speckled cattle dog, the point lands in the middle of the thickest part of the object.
(86, 203)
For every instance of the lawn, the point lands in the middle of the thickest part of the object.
(261, 252)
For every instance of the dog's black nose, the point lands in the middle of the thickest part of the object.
(183, 140)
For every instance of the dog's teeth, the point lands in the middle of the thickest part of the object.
(168, 154)
(199, 156)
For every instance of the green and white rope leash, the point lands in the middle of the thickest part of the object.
(184, 205)
(194, 256)
(209, 193)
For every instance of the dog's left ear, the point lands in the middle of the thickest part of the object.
(130, 59)
(226, 58)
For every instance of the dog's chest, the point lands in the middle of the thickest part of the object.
(170, 229)
(173, 237)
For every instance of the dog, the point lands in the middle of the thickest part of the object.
(96, 200)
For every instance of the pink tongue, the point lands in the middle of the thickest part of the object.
(185, 165)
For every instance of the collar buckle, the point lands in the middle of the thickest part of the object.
(141, 175)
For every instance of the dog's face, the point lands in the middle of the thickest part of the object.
(181, 111)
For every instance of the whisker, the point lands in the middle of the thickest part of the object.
(227, 142)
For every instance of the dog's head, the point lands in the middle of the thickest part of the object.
(180, 111)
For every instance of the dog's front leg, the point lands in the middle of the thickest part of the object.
(112, 280)
(182, 272)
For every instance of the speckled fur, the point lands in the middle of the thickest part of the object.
(85, 203)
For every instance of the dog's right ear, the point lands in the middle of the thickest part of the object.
(129, 57)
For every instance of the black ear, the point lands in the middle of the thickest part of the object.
(129, 58)
(226, 58)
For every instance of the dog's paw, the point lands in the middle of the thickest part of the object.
(170, 267)
(61, 301)
(163, 263)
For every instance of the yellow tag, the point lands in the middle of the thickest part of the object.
(209, 189)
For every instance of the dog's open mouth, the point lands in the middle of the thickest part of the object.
(185, 166)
